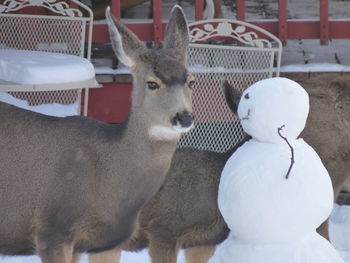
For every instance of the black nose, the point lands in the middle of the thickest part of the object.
(184, 119)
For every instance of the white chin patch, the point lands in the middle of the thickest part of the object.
(159, 132)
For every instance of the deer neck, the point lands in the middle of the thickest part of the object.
(147, 158)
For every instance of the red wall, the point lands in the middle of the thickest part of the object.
(111, 103)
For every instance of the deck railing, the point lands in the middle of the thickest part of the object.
(323, 28)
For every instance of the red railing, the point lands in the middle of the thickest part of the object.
(323, 29)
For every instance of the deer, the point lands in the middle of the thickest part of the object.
(184, 212)
(73, 185)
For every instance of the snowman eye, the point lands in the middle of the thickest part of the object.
(246, 96)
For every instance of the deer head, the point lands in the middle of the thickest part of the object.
(162, 85)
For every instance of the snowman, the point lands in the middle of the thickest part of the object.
(274, 190)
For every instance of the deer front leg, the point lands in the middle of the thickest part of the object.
(218, 9)
(163, 250)
(110, 256)
(199, 254)
(323, 230)
(62, 253)
(76, 258)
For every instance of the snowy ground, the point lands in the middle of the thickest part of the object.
(127, 257)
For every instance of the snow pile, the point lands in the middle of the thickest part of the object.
(36, 67)
(268, 194)
(315, 67)
(340, 235)
(58, 110)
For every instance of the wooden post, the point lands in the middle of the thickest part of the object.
(199, 9)
(240, 10)
(324, 22)
(116, 8)
(157, 21)
(282, 21)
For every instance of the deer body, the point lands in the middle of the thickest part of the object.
(76, 184)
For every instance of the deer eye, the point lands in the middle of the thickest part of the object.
(191, 84)
(152, 85)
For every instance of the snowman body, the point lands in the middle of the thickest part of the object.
(272, 212)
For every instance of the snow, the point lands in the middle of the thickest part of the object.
(277, 103)
(37, 67)
(127, 257)
(308, 249)
(199, 69)
(286, 209)
(315, 67)
(108, 70)
(340, 235)
(58, 110)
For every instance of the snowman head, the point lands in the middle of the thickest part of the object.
(273, 104)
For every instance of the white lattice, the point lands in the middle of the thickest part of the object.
(225, 50)
(61, 32)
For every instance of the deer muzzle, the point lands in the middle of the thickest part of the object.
(185, 120)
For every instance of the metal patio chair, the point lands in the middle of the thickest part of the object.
(222, 49)
(64, 28)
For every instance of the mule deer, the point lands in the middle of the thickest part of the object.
(75, 184)
(184, 212)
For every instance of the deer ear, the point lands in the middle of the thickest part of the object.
(176, 34)
(125, 43)
(232, 96)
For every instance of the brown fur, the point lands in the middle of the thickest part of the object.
(199, 254)
(328, 127)
(75, 184)
(184, 212)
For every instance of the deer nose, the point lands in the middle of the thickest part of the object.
(184, 119)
